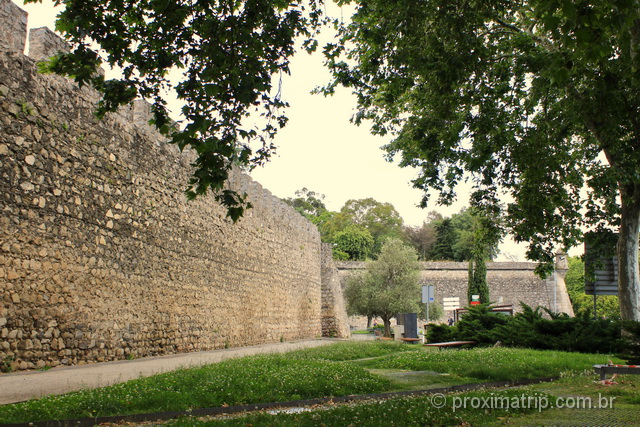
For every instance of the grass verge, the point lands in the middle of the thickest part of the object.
(240, 381)
(436, 410)
(343, 351)
(490, 364)
(336, 370)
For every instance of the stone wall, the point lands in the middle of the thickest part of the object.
(102, 257)
(43, 43)
(13, 28)
(334, 315)
(509, 283)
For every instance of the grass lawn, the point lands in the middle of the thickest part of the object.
(433, 411)
(412, 411)
(489, 364)
(603, 405)
(341, 369)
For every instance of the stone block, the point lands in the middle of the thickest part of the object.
(13, 27)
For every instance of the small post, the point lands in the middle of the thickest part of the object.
(427, 312)
(427, 297)
(555, 291)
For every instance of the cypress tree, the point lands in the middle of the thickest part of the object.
(477, 281)
(471, 283)
(480, 279)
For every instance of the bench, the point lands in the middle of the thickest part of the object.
(449, 344)
(410, 340)
(603, 370)
(378, 336)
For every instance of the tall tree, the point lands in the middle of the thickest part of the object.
(456, 239)
(355, 241)
(476, 229)
(477, 282)
(390, 285)
(331, 223)
(228, 52)
(445, 239)
(422, 238)
(465, 224)
(538, 99)
(381, 219)
(307, 202)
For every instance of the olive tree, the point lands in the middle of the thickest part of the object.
(390, 285)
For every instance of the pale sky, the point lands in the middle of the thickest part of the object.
(321, 150)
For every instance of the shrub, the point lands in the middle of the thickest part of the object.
(480, 325)
(631, 342)
(355, 241)
(530, 329)
(441, 333)
(560, 332)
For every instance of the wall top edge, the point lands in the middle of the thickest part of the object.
(443, 265)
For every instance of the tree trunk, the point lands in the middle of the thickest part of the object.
(387, 326)
(369, 319)
(628, 277)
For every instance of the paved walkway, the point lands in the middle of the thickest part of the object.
(20, 386)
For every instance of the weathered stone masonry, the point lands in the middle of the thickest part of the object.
(509, 282)
(101, 256)
(335, 322)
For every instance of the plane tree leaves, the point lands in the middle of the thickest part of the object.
(538, 100)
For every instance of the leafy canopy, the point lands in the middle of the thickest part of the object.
(227, 52)
(355, 241)
(526, 98)
(390, 285)
(381, 219)
(307, 203)
(606, 305)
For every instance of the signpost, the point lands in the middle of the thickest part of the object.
(451, 303)
(428, 296)
(600, 267)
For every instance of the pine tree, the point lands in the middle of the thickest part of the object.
(445, 237)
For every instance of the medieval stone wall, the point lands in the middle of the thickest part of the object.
(101, 255)
(13, 31)
(509, 283)
(335, 322)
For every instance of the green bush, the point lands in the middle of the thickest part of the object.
(480, 325)
(441, 333)
(560, 332)
(530, 329)
(631, 342)
(339, 255)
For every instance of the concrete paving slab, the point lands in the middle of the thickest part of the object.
(21, 386)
